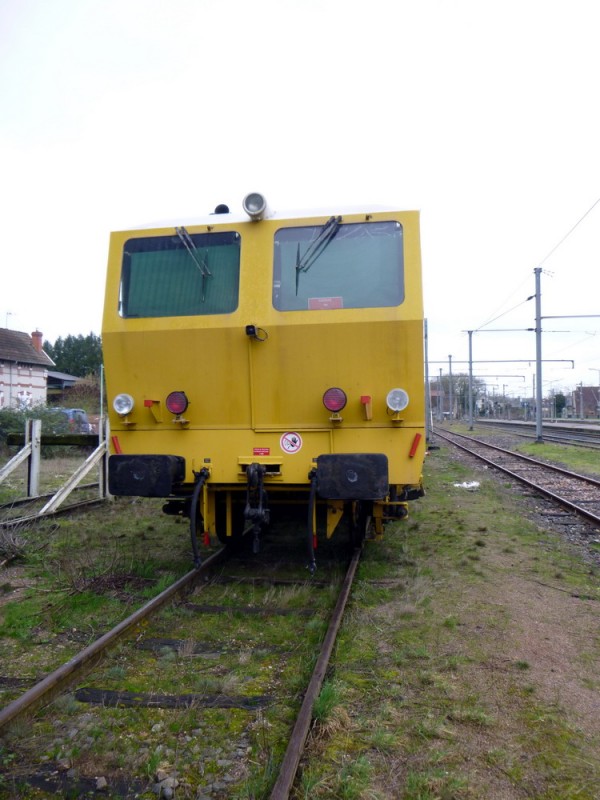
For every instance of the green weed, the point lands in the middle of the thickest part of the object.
(328, 698)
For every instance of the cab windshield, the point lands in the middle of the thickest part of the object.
(180, 275)
(330, 266)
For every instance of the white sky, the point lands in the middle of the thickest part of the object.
(481, 114)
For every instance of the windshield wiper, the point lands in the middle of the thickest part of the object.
(316, 248)
(189, 245)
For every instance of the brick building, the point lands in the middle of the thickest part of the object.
(584, 403)
(23, 369)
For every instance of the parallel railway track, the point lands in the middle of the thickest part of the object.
(579, 494)
(556, 433)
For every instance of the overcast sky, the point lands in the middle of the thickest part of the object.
(482, 115)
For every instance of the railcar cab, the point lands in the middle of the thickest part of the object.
(267, 354)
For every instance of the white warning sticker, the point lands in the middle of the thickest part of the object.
(290, 442)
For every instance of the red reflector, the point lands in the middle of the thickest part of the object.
(415, 444)
(177, 402)
(116, 445)
(334, 399)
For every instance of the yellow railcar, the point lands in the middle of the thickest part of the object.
(256, 358)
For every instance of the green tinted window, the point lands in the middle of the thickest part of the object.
(339, 266)
(176, 276)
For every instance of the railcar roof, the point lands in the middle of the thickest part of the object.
(237, 216)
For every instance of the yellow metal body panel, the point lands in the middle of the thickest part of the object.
(245, 394)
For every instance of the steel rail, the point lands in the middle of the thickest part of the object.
(549, 439)
(573, 441)
(555, 437)
(576, 436)
(62, 676)
(522, 457)
(291, 759)
(23, 501)
(546, 492)
(31, 518)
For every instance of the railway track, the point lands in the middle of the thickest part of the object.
(575, 436)
(579, 494)
(189, 665)
(24, 519)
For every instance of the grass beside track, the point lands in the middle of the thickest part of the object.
(466, 669)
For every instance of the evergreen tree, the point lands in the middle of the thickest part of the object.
(76, 355)
(560, 401)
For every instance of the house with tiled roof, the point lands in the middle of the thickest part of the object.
(23, 369)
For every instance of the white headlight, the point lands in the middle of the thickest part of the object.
(123, 404)
(397, 400)
(255, 205)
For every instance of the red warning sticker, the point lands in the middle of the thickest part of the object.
(261, 451)
(316, 303)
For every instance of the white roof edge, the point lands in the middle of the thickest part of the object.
(236, 217)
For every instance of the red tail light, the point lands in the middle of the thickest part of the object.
(334, 399)
(177, 402)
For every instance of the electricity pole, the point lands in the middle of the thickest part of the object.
(450, 386)
(538, 356)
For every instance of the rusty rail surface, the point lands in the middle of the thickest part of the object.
(291, 759)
